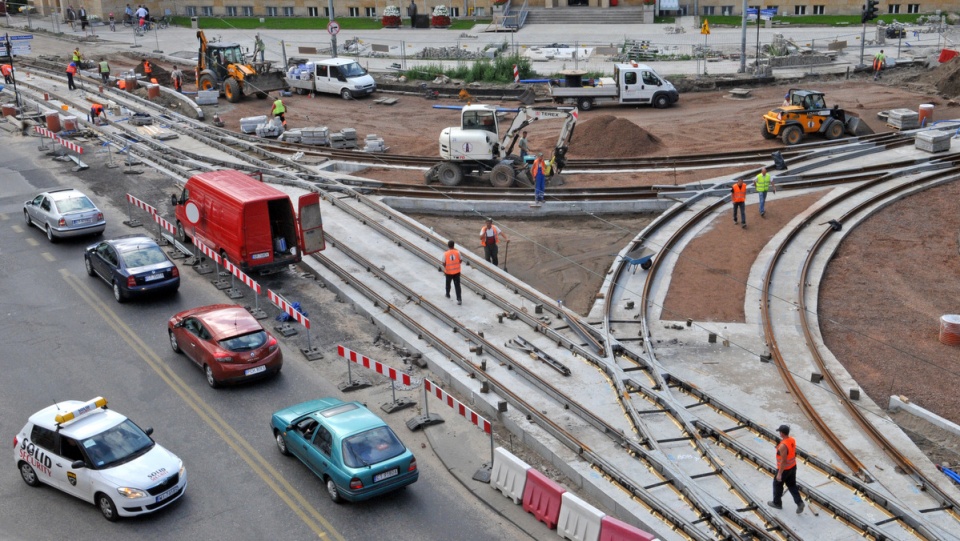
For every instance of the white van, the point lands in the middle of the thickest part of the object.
(333, 76)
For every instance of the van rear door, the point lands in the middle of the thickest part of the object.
(311, 224)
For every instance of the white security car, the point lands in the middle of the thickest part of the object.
(99, 456)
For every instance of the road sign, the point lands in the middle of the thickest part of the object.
(333, 28)
(705, 29)
(20, 49)
(17, 38)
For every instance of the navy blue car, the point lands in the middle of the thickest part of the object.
(132, 265)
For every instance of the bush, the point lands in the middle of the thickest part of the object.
(499, 70)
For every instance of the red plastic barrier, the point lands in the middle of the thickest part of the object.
(612, 529)
(542, 497)
(947, 54)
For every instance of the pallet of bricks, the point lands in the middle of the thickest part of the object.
(347, 138)
(903, 119)
(315, 136)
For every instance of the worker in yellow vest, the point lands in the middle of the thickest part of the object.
(279, 110)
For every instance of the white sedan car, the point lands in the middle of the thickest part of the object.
(99, 456)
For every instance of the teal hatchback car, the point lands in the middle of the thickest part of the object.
(355, 453)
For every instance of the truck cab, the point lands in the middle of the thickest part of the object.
(341, 76)
(638, 83)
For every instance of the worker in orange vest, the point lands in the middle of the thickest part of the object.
(97, 111)
(7, 70)
(147, 70)
(538, 172)
(71, 71)
(786, 470)
(490, 236)
(451, 269)
(739, 199)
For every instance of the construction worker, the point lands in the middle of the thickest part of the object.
(490, 236)
(879, 62)
(279, 111)
(786, 470)
(71, 71)
(451, 269)
(97, 111)
(523, 145)
(7, 71)
(104, 71)
(147, 70)
(538, 170)
(739, 199)
(177, 77)
(77, 57)
(258, 47)
(763, 184)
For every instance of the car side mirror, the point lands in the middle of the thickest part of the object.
(174, 200)
(77, 464)
(288, 428)
(148, 431)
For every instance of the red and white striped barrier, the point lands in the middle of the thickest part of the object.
(516, 74)
(460, 407)
(509, 474)
(278, 301)
(172, 229)
(376, 366)
(47, 133)
(207, 251)
(235, 270)
(133, 200)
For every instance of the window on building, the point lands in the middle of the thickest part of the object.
(231, 11)
(799, 10)
(708, 10)
(312, 11)
(353, 12)
(370, 12)
(207, 11)
(271, 11)
(326, 12)
(247, 11)
(191, 11)
(818, 10)
(893, 8)
(288, 11)
(913, 8)
(454, 12)
(726, 10)
(774, 7)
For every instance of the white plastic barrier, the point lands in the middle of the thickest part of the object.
(509, 474)
(579, 521)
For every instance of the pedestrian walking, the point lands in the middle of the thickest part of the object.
(113, 23)
(83, 18)
(104, 71)
(7, 70)
(490, 236)
(523, 145)
(537, 170)
(97, 111)
(764, 184)
(72, 17)
(279, 111)
(739, 199)
(451, 269)
(128, 15)
(412, 13)
(879, 62)
(786, 471)
(71, 71)
(177, 77)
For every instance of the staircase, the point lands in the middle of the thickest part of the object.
(585, 15)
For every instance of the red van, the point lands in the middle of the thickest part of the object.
(250, 223)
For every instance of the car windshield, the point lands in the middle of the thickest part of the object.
(371, 447)
(245, 342)
(74, 204)
(142, 256)
(352, 70)
(117, 445)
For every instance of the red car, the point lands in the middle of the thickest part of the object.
(227, 342)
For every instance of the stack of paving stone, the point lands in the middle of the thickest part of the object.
(374, 143)
(933, 141)
(903, 119)
(315, 136)
(292, 136)
(349, 137)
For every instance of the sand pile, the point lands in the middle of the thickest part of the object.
(607, 136)
(949, 81)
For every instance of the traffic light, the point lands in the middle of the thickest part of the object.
(870, 11)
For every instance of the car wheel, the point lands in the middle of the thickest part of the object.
(29, 476)
(345, 94)
(834, 131)
(181, 233)
(661, 101)
(89, 266)
(502, 176)
(791, 135)
(333, 491)
(450, 174)
(208, 372)
(765, 132)
(107, 507)
(26, 218)
(118, 293)
(585, 104)
(50, 236)
(174, 345)
(282, 444)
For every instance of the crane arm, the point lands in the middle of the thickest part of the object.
(201, 58)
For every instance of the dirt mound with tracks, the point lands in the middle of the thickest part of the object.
(608, 136)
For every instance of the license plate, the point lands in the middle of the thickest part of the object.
(166, 494)
(256, 370)
(83, 221)
(386, 475)
(152, 277)
(261, 255)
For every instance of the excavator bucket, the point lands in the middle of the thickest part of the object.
(857, 127)
(528, 97)
(262, 83)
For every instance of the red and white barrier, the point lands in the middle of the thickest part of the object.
(516, 74)
(278, 301)
(460, 407)
(207, 251)
(542, 497)
(47, 133)
(509, 474)
(133, 200)
(172, 229)
(235, 270)
(376, 366)
(579, 521)
(612, 529)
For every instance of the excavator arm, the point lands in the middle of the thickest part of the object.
(201, 58)
(528, 115)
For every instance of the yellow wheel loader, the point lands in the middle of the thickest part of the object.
(221, 66)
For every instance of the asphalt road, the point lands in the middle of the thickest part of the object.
(64, 337)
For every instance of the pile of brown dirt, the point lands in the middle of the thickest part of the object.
(608, 136)
(949, 82)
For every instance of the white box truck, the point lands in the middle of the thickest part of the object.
(332, 76)
(633, 83)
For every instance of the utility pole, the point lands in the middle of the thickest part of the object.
(333, 36)
(743, 40)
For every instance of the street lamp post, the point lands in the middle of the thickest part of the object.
(156, 35)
